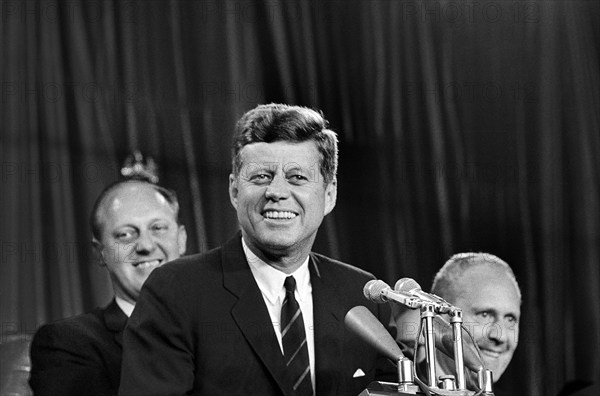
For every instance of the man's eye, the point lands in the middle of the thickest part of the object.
(160, 227)
(485, 315)
(125, 236)
(260, 178)
(298, 177)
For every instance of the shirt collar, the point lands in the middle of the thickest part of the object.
(270, 280)
(125, 306)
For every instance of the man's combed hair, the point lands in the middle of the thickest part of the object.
(455, 267)
(279, 122)
(95, 220)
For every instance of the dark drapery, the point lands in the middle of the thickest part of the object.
(463, 126)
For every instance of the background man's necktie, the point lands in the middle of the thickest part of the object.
(295, 349)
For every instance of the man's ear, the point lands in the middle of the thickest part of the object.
(330, 196)
(233, 190)
(98, 252)
(182, 240)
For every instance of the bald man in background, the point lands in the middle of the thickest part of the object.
(485, 288)
(136, 228)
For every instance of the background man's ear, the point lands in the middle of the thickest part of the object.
(182, 240)
(98, 252)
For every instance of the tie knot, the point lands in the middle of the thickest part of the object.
(290, 284)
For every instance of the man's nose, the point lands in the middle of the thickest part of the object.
(277, 189)
(145, 243)
(496, 332)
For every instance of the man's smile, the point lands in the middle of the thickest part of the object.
(494, 354)
(148, 263)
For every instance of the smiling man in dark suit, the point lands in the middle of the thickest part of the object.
(261, 315)
(135, 230)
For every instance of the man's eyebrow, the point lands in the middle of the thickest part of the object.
(291, 166)
(261, 165)
(484, 308)
(121, 227)
(256, 168)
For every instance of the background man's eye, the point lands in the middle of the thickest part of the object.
(125, 235)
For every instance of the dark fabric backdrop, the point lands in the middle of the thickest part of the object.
(463, 126)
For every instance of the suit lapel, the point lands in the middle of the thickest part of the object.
(328, 316)
(250, 312)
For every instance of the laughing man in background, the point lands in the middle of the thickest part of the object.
(135, 226)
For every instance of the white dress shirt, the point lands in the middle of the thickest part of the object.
(125, 306)
(270, 282)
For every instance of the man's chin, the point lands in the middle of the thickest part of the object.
(278, 247)
(496, 366)
(276, 240)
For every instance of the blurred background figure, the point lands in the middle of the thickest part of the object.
(15, 365)
(485, 288)
(136, 228)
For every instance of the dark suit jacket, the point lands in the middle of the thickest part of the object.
(79, 355)
(201, 326)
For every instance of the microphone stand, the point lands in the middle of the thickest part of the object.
(427, 314)
(456, 321)
(358, 320)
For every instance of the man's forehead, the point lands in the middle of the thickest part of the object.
(280, 149)
(484, 278)
(491, 293)
(134, 194)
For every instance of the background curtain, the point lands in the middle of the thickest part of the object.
(464, 126)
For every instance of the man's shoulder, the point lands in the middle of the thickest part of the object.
(339, 266)
(188, 272)
(328, 265)
(187, 265)
(85, 320)
(72, 329)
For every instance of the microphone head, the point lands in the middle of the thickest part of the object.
(406, 285)
(373, 289)
(366, 326)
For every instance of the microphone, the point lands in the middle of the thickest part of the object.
(366, 326)
(412, 288)
(380, 292)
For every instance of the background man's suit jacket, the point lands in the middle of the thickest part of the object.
(201, 326)
(79, 355)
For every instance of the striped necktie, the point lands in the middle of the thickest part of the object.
(295, 349)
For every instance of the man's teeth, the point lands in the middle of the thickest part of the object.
(280, 215)
(148, 264)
